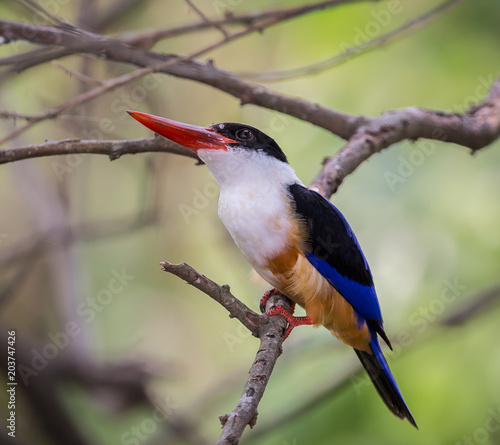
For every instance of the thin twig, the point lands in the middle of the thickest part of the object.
(4, 114)
(35, 7)
(106, 86)
(114, 12)
(206, 19)
(80, 76)
(349, 53)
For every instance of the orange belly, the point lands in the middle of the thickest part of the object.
(298, 279)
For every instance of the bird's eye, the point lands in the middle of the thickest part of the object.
(245, 134)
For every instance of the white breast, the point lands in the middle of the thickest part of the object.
(253, 203)
(258, 221)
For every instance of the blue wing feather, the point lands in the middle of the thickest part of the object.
(362, 298)
(335, 252)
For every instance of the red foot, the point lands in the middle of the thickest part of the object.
(268, 294)
(293, 322)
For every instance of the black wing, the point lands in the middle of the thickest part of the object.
(335, 252)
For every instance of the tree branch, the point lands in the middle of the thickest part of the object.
(270, 332)
(222, 294)
(270, 348)
(476, 128)
(77, 40)
(112, 149)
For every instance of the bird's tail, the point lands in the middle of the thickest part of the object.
(378, 370)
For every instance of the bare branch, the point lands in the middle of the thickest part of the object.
(16, 116)
(206, 19)
(341, 124)
(270, 332)
(270, 348)
(476, 128)
(52, 113)
(406, 29)
(78, 40)
(250, 319)
(146, 39)
(113, 149)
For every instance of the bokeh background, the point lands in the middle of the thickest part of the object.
(426, 213)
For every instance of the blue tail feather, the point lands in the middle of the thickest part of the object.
(378, 370)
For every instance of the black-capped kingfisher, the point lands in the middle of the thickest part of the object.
(294, 238)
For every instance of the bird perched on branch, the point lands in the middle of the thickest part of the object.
(294, 238)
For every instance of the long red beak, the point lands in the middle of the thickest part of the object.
(190, 136)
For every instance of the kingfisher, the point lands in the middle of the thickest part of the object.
(294, 238)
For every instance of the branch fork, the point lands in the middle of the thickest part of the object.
(269, 330)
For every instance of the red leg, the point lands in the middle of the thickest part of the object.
(293, 322)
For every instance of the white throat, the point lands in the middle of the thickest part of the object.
(240, 167)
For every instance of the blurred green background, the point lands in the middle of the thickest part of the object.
(427, 215)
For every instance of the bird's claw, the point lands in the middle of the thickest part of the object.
(268, 294)
(293, 322)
